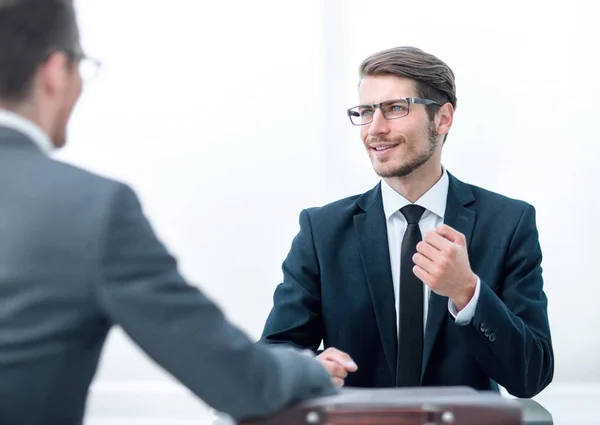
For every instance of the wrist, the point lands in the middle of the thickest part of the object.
(465, 297)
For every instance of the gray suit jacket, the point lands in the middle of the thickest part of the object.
(77, 256)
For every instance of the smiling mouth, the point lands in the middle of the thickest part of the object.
(383, 148)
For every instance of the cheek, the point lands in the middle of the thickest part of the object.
(364, 132)
(416, 133)
(78, 88)
(73, 96)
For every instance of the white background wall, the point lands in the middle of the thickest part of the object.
(229, 117)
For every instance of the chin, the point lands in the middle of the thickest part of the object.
(386, 172)
(386, 169)
(396, 170)
(59, 141)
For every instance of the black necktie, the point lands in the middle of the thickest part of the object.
(410, 339)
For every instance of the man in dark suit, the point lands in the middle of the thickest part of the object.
(423, 280)
(77, 256)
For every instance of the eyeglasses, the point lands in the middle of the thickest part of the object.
(390, 109)
(88, 68)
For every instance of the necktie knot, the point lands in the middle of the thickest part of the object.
(412, 213)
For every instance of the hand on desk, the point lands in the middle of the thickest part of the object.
(338, 364)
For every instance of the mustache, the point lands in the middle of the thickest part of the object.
(375, 139)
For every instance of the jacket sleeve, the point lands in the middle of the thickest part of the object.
(140, 289)
(295, 318)
(510, 332)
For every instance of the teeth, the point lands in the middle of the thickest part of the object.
(382, 149)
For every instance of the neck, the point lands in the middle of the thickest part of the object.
(23, 109)
(417, 183)
(27, 110)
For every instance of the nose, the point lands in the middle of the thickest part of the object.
(379, 125)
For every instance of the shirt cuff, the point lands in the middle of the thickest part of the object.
(464, 316)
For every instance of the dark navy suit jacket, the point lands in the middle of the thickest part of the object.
(337, 289)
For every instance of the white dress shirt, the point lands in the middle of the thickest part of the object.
(434, 202)
(28, 128)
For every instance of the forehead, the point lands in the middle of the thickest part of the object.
(376, 89)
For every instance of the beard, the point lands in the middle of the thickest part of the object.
(415, 162)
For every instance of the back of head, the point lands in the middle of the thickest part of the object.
(433, 78)
(31, 31)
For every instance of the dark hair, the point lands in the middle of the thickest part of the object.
(434, 79)
(30, 31)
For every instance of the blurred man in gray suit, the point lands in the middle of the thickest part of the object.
(77, 256)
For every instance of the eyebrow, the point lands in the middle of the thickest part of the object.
(395, 99)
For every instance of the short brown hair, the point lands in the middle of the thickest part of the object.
(434, 79)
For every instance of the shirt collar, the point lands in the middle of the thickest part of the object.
(434, 200)
(28, 128)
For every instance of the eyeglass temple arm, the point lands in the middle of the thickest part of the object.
(423, 101)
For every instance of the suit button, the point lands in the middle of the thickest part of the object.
(486, 333)
(492, 337)
(482, 327)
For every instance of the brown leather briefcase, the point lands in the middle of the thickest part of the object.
(401, 406)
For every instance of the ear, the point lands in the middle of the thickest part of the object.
(52, 74)
(444, 118)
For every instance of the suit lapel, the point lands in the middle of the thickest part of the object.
(461, 219)
(371, 230)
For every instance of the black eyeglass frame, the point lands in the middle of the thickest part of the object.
(409, 100)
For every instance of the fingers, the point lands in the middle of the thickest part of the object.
(338, 382)
(450, 234)
(424, 263)
(422, 274)
(435, 241)
(339, 357)
(428, 251)
(338, 373)
(334, 369)
(444, 241)
(338, 364)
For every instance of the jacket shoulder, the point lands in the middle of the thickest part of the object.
(495, 200)
(338, 210)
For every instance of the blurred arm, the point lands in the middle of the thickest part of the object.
(141, 290)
